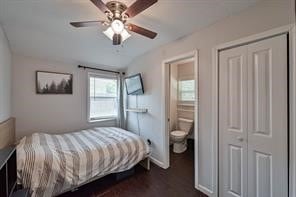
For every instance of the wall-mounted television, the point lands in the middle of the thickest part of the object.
(134, 85)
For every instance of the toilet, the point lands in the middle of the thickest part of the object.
(179, 137)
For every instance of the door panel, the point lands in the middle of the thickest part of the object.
(263, 174)
(253, 120)
(234, 93)
(268, 118)
(233, 123)
(261, 94)
(235, 170)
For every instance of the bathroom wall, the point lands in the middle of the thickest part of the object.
(186, 109)
(178, 71)
(173, 96)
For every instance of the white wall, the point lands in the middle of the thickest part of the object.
(5, 77)
(264, 16)
(48, 113)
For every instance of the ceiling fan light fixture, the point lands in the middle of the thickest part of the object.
(117, 26)
(110, 33)
(117, 39)
(125, 35)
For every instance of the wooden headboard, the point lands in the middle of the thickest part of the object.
(7, 133)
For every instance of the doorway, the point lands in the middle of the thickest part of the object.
(186, 105)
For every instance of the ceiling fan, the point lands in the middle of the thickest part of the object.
(117, 16)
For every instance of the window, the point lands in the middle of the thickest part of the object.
(103, 97)
(186, 90)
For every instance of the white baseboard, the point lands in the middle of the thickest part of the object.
(157, 162)
(205, 190)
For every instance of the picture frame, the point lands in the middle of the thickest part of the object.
(54, 83)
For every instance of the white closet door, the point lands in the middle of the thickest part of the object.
(253, 120)
(268, 118)
(233, 123)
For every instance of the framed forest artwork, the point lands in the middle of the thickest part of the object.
(54, 83)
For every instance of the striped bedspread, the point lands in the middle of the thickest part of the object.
(51, 164)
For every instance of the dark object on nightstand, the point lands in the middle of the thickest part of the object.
(8, 174)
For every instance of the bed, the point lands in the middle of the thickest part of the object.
(52, 164)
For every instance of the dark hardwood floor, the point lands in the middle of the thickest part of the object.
(177, 181)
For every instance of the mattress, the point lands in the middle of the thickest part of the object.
(50, 164)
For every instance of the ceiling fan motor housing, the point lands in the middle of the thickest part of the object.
(117, 8)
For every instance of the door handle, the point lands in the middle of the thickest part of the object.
(241, 139)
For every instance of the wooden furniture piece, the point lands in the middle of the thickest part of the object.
(7, 133)
(7, 171)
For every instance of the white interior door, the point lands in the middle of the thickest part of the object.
(268, 118)
(233, 122)
(253, 120)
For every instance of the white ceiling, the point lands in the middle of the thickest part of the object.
(40, 28)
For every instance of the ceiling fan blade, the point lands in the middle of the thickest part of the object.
(87, 23)
(138, 7)
(102, 6)
(142, 31)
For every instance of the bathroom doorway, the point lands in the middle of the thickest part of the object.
(180, 111)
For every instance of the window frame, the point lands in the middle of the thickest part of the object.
(180, 92)
(104, 76)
